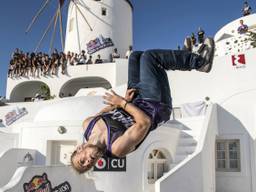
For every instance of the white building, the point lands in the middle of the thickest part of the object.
(205, 147)
(96, 26)
(109, 26)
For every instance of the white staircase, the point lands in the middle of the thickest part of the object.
(186, 146)
(194, 156)
(188, 138)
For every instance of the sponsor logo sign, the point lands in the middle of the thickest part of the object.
(239, 61)
(111, 164)
(63, 187)
(98, 44)
(14, 115)
(42, 184)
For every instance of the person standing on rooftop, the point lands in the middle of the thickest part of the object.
(246, 9)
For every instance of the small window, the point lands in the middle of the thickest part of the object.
(103, 11)
(27, 99)
(157, 165)
(228, 156)
(71, 24)
(176, 113)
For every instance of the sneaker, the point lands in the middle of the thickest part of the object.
(187, 44)
(207, 53)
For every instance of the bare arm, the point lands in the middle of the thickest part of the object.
(128, 97)
(131, 138)
(136, 133)
(106, 109)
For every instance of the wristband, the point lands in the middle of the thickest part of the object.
(126, 102)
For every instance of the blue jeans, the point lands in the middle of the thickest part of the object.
(147, 71)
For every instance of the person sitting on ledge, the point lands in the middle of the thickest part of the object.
(123, 125)
(82, 58)
(242, 28)
(74, 59)
(115, 55)
(98, 60)
(128, 52)
(89, 61)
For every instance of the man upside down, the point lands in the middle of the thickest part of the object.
(126, 121)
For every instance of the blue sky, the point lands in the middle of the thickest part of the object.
(157, 24)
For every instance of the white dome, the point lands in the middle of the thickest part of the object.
(71, 109)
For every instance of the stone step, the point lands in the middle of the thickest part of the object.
(185, 150)
(185, 134)
(179, 158)
(173, 165)
(187, 142)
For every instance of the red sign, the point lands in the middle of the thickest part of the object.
(238, 60)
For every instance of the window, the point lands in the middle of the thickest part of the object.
(228, 156)
(176, 113)
(103, 11)
(27, 99)
(157, 165)
(71, 24)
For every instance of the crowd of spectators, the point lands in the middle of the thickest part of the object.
(35, 64)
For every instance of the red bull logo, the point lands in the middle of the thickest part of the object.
(42, 184)
(98, 44)
(38, 184)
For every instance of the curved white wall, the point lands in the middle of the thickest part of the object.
(117, 25)
(75, 109)
(11, 160)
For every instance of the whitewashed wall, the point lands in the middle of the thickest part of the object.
(233, 88)
(11, 160)
(117, 25)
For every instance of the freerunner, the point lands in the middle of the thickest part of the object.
(123, 125)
